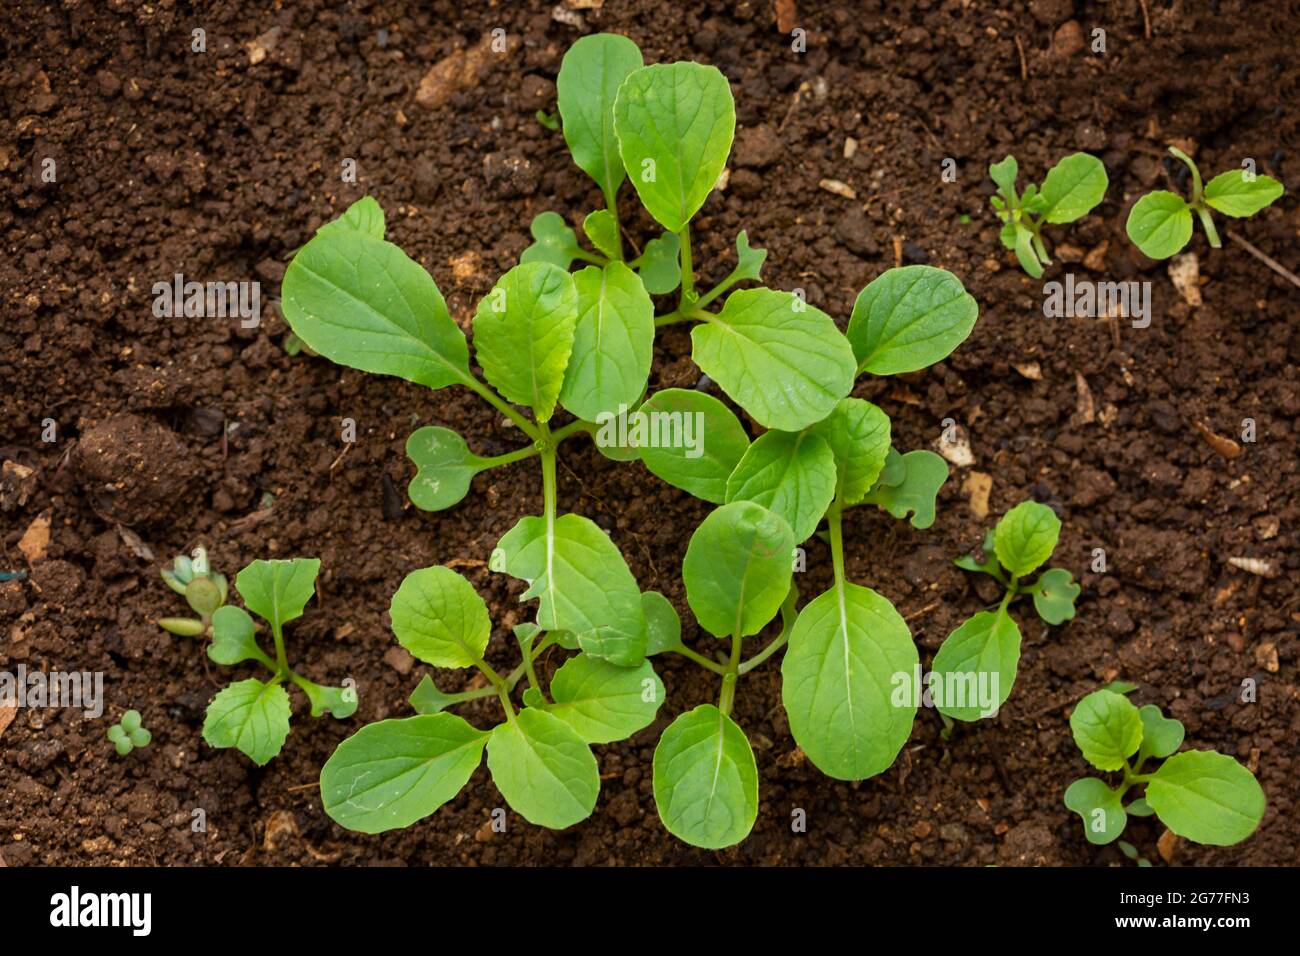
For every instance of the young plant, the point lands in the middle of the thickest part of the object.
(1202, 795)
(204, 590)
(392, 773)
(1072, 188)
(253, 715)
(669, 128)
(128, 734)
(1160, 223)
(975, 668)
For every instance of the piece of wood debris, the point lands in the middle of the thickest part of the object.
(1226, 447)
(838, 188)
(978, 486)
(1185, 273)
(1085, 409)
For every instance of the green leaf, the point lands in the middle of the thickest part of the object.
(749, 261)
(1234, 195)
(1026, 537)
(1100, 808)
(781, 360)
(1054, 595)
(1161, 735)
(362, 302)
(232, 638)
(603, 702)
(583, 582)
(923, 476)
(1121, 686)
(203, 596)
(439, 617)
(705, 779)
(444, 466)
(1008, 235)
(613, 342)
(839, 682)
(989, 565)
(590, 74)
(858, 435)
(702, 465)
(277, 591)
(364, 216)
(663, 626)
(1107, 728)
(789, 473)
(1004, 174)
(427, 698)
(339, 702)
(602, 230)
(975, 667)
(1139, 808)
(660, 265)
(610, 437)
(543, 768)
(392, 773)
(737, 569)
(1207, 797)
(554, 242)
(523, 334)
(1160, 223)
(1025, 254)
(249, 715)
(909, 318)
(1073, 187)
(675, 123)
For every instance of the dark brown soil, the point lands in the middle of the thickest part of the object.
(171, 161)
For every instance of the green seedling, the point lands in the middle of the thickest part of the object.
(127, 734)
(204, 590)
(253, 715)
(1160, 223)
(392, 773)
(1072, 188)
(1202, 795)
(975, 668)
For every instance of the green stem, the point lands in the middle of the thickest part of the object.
(548, 443)
(281, 659)
(787, 625)
(594, 258)
(1039, 249)
(1208, 222)
(688, 273)
(491, 397)
(700, 659)
(496, 461)
(572, 428)
(611, 203)
(1196, 173)
(728, 695)
(835, 520)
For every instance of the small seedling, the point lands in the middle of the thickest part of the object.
(1160, 223)
(204, 590)
(392, 773)
(253, 715)
(1072, 188)
(127, 734)
(975, 667)
(1202, 795)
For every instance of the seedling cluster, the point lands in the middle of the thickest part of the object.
(550, 340)
(128, 734)
(1201, 795)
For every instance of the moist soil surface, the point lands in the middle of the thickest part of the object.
(175, 432)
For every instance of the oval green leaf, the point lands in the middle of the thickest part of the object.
(604, 702)
(444, 466)
(975, 668)
(777, 357)
(1026, 537)
(591, 72)
(523, 334)
(840, 679)
(1161, 735)
(663, 626)
(790, 473)
(233, 640)
(737, 569)
(546, 772)
(1073, 187)
(1100, 808)
(1160, 223)
(613, 343)
(701, 465)
(1207, 797)
(251, 716)
(675, 123)
(1234, 195)
(908, 318)
(1107, 728)
(858, 434)
(278, 590)
(706, 780)
(439, 617)
(392, 773)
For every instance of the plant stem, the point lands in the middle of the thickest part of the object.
(835, 521)
(611, 203)
(547, 441)
(281, 660)
(496, 461)
(491, 397)
(572, 428)
(688, 274)
(788, 617)
(728, 696)
(1208, 222)
(1196, 174)
(700, 659)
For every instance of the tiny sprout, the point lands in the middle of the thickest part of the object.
(127, 734)
(204, 590)
(1072, 188)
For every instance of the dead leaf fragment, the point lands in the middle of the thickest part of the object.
(1167, 844)
(1226, 447)
(1185, 273)
(1030, 370)
(786, 15)
(462, 70)
(280, 825)
(7, 714)
(1084, 408)
(838, 188)
(977, 486)
(1095, 260)
(17, 482)
(36, 539)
